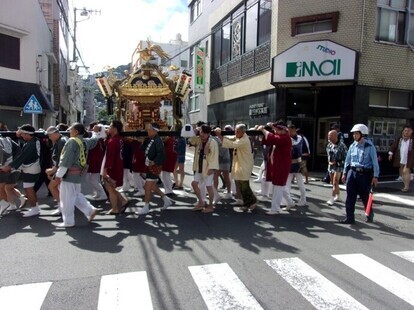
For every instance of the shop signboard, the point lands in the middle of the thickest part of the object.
(315, 61)
(199, 70)
(258, 109)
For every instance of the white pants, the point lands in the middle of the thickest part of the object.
(233, 185)
(128, 180)
(301, 185)
(70, 195)
(265, 187)
(138, 181)
(280, 192)
(94, 180)
(167, 182)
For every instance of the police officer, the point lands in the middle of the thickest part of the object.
(361, 171)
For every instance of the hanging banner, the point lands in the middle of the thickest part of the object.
(183, 88)
(104, 87)
(199, 69)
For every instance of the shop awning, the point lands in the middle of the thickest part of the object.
(16, 94)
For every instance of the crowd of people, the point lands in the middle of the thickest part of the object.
(113, 164)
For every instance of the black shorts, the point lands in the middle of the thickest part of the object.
(10, 177)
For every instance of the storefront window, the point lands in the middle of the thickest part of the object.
(400, 99)
(390, 99)
(383, 131)
(378, 98)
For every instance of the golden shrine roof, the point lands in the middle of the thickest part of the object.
(146, 82)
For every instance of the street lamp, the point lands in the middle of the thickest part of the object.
(84, 13)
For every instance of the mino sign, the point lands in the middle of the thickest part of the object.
(313, 62)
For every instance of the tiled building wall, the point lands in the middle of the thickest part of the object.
(384, 65)
(380, 64)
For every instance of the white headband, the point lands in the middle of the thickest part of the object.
(156, 129)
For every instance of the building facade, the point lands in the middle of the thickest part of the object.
(26, 63)
(321, 63)
(361, 73)
(35, 41)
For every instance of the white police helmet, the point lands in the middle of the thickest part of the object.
(361, 128)
(187, 131)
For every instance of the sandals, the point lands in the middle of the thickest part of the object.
(197, 208)
(110, 212)
(208, 210)
(404, 190)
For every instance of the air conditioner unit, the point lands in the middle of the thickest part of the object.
(68, 89)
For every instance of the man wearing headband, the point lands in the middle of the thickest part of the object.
(154, 158)
(206, 162)
(113, 168)
(72, 166)
(242, 165)
(278, 164)
(95, 159)
(295, 167)
(8, 147)
(28, 162)
(58, 142)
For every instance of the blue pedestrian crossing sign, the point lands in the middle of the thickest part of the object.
(33, 106)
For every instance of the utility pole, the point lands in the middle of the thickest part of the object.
(85, 13)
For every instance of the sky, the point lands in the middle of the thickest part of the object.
(110, 37)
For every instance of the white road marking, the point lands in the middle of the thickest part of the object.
(408, 255)
(317, 289)
(392, 281)
(405, 201)
(221, 288)
(24, 297)
(125, 291)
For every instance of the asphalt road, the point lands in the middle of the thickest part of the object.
(180, 259)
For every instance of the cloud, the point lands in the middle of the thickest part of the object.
(111, 37)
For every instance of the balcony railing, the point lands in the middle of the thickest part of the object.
(242, 67)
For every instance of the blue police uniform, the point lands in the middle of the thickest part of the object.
(361, 166)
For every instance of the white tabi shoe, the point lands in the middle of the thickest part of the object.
(167, 203)
(272, 212)
(63, 225)
(56, 212)
(32, 212)
(143, 211)
(3, 207)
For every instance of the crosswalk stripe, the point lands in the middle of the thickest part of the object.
(395, 198)
(392, 281)
(23, 297)
(125, 291)
(408, 255)
(317, 289)
(221, 288)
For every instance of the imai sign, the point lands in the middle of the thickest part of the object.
(313, 62)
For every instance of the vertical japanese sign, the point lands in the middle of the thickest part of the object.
(199, 69)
